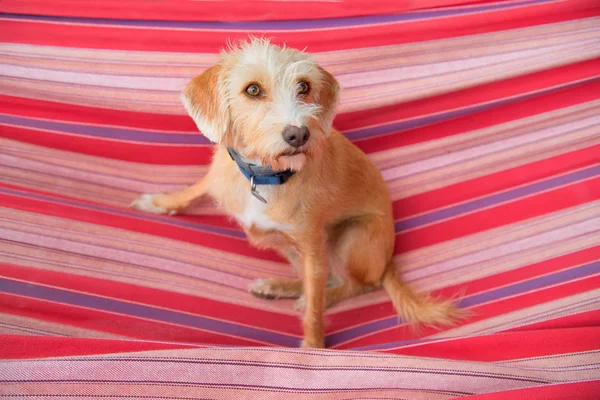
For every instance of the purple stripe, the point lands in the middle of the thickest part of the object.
(471, 301)
(570, 309)
(106, 132)
(94, 302)
(495, 199)
(198, 139)
(138, 215)
(429, 120)
(141, 311)
(400, 226)
(323, 23)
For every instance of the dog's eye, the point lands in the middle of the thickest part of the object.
(303, 87)
(253, 90)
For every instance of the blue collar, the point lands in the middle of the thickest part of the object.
(258, 174)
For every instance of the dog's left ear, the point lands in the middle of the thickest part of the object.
(204, 100)
(329, 96)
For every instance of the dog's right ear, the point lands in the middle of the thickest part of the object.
(204, 100)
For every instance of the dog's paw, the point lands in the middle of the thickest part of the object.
(300, 304)
(263, 288)
(276, 288)
(147, 203)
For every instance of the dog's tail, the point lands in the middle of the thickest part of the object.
(419, 309)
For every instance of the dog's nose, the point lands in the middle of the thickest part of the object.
(295, 136)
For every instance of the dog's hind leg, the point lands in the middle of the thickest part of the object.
(361, 249)
(366, 254)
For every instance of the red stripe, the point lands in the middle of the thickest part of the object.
(509, 346)
(231, 10)
(133, 327)
(97, 36)
(346, 121)
(155, 297)
(365, 315)
(529, 83)
(522, 109)
(134, 224)
(119, 150)
(479, 221)
(561, 391)
(20, 347)
(580, 320)
(532, 271)
(195, 155)
(92, 115)
(541, 296)
(217, 220)
(504, 214)
(496, 308)
(496, 182)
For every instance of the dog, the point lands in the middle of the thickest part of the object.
(295, 184)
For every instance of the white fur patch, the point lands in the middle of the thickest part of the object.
(145, 203)
(254, 212)
(261, 287)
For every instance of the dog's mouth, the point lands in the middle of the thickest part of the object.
(289, 160)
(293, 152)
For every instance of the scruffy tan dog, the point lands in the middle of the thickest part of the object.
(294, 183)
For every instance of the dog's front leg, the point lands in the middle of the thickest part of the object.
(315, 277)
(170, 203)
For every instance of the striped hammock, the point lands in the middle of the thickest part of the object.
(483, 116)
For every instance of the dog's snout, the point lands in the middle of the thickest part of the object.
(295, 136)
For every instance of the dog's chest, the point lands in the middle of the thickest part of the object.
(255, 213)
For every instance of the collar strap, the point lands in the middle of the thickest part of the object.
(262, 175)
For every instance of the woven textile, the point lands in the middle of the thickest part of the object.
(484, 118)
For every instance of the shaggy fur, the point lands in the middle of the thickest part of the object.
(332, 217)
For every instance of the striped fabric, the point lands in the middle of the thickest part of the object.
(483, 116)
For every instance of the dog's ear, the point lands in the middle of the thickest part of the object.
(329, 96)
(204, 100)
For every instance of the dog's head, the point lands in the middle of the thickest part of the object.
(273, 105)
